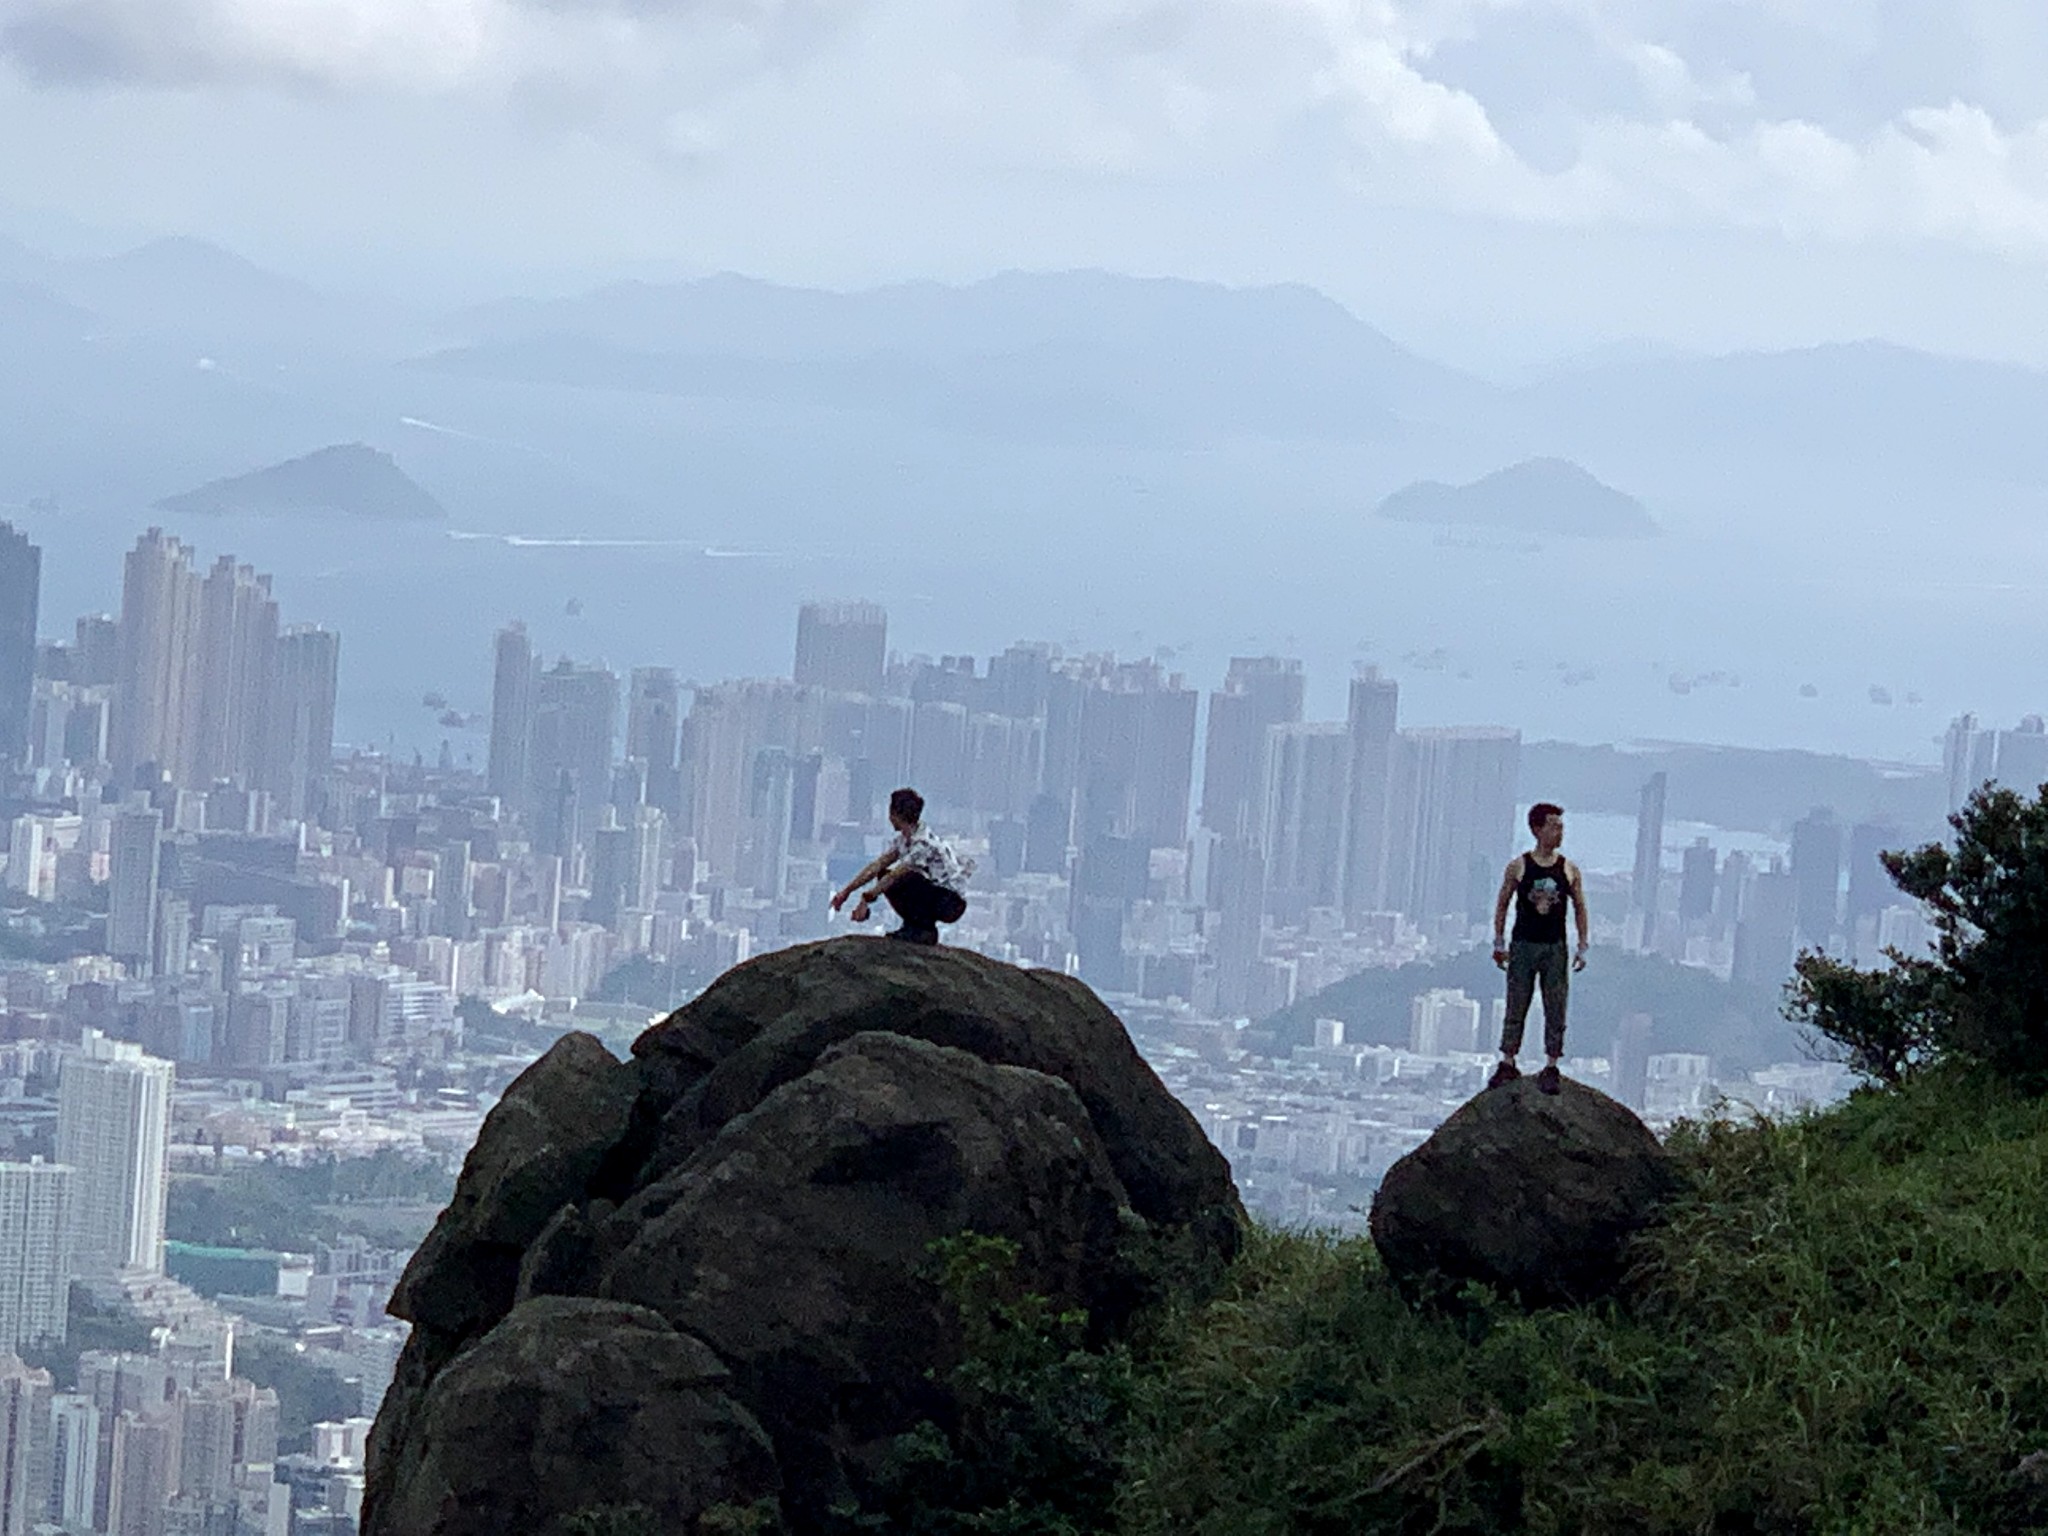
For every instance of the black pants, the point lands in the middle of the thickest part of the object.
(922, 904)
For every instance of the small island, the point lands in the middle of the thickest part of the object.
(348, 480)
(1536, 496)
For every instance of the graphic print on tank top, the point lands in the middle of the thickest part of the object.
(1540, 904)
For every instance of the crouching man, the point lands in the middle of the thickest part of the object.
(917, 874)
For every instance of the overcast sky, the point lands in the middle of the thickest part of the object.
(1480, 177)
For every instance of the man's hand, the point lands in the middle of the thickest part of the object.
(839, 898)
(1500, 954)
(860, 911)
(1579, 959)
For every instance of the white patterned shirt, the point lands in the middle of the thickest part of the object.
(932, 858)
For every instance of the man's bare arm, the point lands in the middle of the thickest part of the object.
(885, 880)
(870, 871)
(1509, 881)
(1585, 921)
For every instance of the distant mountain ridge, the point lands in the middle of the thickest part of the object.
(1080, 355)
(350, 480)
(156, 366)
(1534, 496)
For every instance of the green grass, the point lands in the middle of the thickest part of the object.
(1842, 1329)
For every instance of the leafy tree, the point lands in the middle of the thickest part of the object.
(1980, 997)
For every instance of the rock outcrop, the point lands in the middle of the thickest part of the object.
(570, 1406)
(705, 1275)
(1535, 1194)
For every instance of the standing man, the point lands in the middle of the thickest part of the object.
(1538, 883)
(917, 874)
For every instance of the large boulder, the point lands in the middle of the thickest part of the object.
(1535, 1194)
(539, 1148)
(764, 1023)
(765, 1181)
(570, 1407)
(797, 1243)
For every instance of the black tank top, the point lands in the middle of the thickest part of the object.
(1541, 896)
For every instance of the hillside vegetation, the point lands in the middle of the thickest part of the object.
(1844, 1327)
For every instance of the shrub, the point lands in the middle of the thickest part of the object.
(1036, 1449)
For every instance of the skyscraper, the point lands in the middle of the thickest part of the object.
(132, 889)
(21, 570)
(1696, 882)
(1137, 753)
(1257, 692)
(24, 1460)
(198, 689)
(144, 1472)
(74, 1460)
(237, 645)
(611, 870)
(1817, 871)
(764, 845)
(1237, 887)
(512, 686)
(1629, 1059)
(1372, 720)
(1768, 930)
(842, 646)
(939, 754)
(1871, 888)
(2023, 757)
(1969, 757)
(35, 1252)
(113, 1125)
(156, 678)
(1305, 787)
(95, 650)
(1649, 868)
(1450, 818)
(653, 716)
(300, 720)
(575, 722)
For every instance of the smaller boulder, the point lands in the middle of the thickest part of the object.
(1533, 1193)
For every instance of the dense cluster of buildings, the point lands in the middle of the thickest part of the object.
(281, 912)
(157, 1442)
(1745, 918)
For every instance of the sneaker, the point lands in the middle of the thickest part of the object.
(1547, 1080)
(909, 935)
(1505, 1073)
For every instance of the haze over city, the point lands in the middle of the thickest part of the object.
(495, 494)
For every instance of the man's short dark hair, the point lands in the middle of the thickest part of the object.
(906, 803)
(1541, 812)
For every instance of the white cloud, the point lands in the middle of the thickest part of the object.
(1838, 119)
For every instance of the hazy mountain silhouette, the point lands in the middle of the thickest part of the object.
(349, 480)
(1535, 496)
(1071, 355)
(176, 362)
